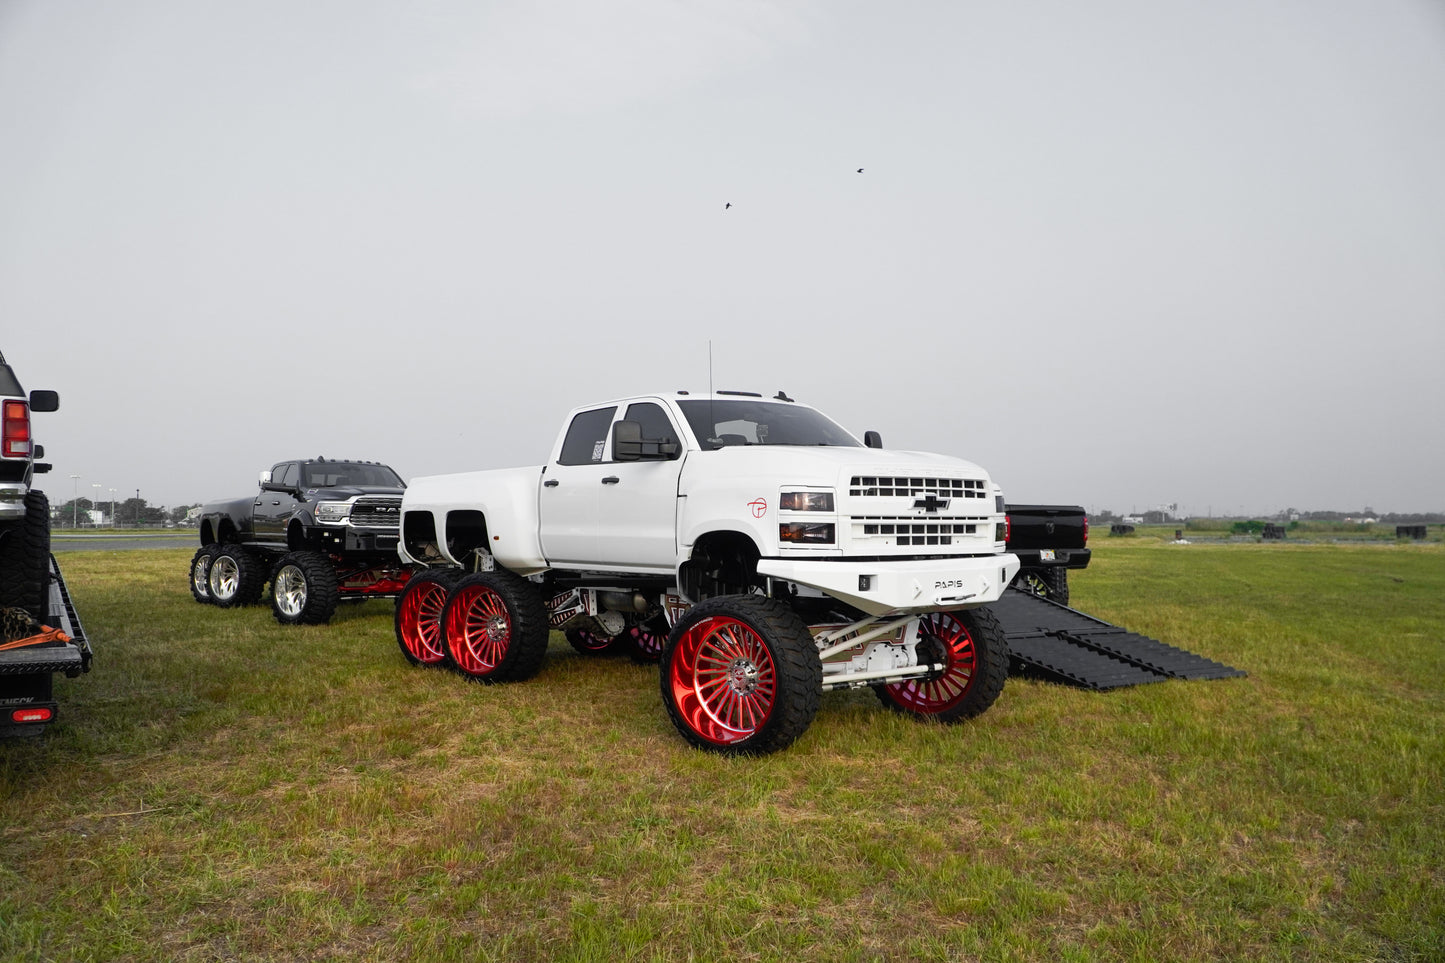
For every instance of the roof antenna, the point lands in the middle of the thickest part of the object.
(712, 419)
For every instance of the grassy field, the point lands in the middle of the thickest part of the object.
(221, 788)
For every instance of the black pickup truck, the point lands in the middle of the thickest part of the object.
(1048, 540)
(318, 530)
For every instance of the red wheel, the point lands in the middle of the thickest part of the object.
(590, 643)
(723, 680)
(972, 647)
(419, 617)
(494, 627)
(740, 674)
(646, 641)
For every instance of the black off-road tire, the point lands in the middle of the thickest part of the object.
(1048, 582)
(973, 646)
(420, 632)
(200, 573)
(304, 590)
(495, 627)
(741, 675)
(25, 559)
(236, 577)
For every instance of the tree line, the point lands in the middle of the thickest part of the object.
(122, 513)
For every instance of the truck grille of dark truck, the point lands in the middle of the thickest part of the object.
(376, 513)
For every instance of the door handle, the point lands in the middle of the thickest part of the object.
(551, 483)
(611, 480)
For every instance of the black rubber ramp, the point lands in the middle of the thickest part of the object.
(1052, 641)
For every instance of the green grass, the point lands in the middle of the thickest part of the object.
(222, 788)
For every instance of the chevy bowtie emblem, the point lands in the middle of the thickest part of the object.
(930, 502)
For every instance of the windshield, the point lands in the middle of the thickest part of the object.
(346, 474)
(718, 424)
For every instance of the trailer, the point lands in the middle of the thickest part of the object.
(31, 654)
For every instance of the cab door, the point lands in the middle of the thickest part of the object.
(567, 502)
(273, 509)
(637, 500)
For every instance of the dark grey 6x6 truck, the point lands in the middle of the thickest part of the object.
(318, 530)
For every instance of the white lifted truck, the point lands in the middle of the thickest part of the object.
(762, 552)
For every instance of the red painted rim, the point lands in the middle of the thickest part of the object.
(478, 629)
(930, 696)
(648, 641)
(723, 680)
(421, 621)
(590, 640)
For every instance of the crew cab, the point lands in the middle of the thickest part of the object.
(319, 530)
(777, 554)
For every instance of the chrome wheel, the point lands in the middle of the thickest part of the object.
(290, 591)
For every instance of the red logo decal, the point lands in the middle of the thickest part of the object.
(759, 507)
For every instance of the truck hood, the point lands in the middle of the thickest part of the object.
(824, 465)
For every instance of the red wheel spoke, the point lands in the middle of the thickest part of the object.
(723, 680)
(950, 639)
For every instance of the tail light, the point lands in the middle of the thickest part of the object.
(16, 431)
(35, 714)
(1086, 529)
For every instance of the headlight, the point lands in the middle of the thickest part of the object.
(333, 513)
(806, 502)
(806, 533)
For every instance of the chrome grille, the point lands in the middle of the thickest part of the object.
(376, 512)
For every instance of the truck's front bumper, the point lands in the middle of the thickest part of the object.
(344, 538)
(902, 587)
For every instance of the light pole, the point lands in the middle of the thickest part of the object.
(112, 508)
(137, 508)
(74, 501)
(97, 486)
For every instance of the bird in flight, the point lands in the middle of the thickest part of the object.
(860, 170)
(727, 205)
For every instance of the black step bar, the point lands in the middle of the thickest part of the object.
(1054, 642)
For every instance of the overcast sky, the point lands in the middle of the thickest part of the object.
(1118, 253)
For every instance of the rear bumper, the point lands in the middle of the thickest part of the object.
(902, 587)
(1067, 557)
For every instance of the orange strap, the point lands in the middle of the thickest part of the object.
(47, 634)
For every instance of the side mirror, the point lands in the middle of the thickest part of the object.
(44, 401)
(629, 445)
(264, 478)
(626, 441)
(871, 439)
